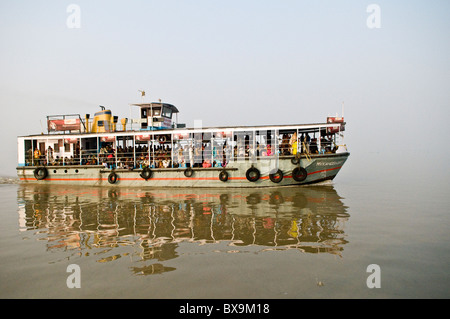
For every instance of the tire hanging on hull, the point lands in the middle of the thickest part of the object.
(112, 178)
(223, 176)
(188, 172)
(252, 174)
(277, 176)
(146, 173)
(40, 173)
(299, 174)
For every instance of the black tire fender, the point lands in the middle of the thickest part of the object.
(299, 174)
(295, 160)
(188, 172)
(223, 175)
(112, 178)
(40, 173)
(252, 174)
(146, 173)
(277, 176)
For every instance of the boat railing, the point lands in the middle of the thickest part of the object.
(182, 157)
(176, 150)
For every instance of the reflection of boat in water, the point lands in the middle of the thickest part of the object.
(309, 219)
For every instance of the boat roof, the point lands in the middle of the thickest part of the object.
(303, 128)
(147, 105)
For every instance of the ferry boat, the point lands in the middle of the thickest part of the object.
(154, 150)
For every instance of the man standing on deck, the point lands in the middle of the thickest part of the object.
(37, 156)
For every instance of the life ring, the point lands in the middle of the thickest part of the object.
(299, 174)
(40, 173)
(223, 175)
(277, 176)
(146, 173)
(252, 174)
(188, 172)
(112, 178)
(162, 139)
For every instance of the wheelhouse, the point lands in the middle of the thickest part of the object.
(156, 116)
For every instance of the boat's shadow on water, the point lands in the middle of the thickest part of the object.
(151, 224)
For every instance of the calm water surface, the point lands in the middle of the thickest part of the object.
(308, 242)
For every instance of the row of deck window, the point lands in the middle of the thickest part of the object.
(174, 150)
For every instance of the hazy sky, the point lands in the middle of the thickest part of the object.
(234, 63)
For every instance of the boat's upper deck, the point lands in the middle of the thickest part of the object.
(156, 117)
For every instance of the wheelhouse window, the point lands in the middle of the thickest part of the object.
(157, 111)
(167, 112)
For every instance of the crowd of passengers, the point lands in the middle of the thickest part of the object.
(160, 156)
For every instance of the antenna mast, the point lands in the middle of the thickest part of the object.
(142, 95)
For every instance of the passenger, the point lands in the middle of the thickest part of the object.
(284, 147)
(180, 157)
(313, 147)
(51, 160)
(325, 145)
(146, 162)
(77, 149)
(302, 139)
(293, 144)
(191, 156)
(246, 150)
(166, 163)
(141, 161)
(241, 152)
(50, 153)
(251, 152)
(307, 143)
(37, 156)
(226, 155)
(294, 148)
(258, 148)
(29, 156)
(264, 150)
(206, 164)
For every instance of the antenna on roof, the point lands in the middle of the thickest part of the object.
(142, 94)
(102, 107)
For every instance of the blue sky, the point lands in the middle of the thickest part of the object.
(234, 62)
